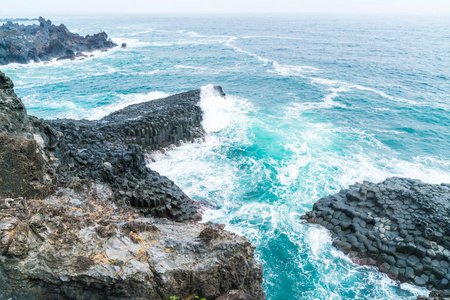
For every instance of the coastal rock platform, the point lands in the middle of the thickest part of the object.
(400, 225)
(83, 217)
(112, 150)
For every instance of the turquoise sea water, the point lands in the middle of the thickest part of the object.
(314, 103)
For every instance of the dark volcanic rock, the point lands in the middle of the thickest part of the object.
(43, 42)
(436, 295)
(402, 225)
(110, 150)
(66, 231)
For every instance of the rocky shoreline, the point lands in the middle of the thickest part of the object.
(82, 217)
(46, 41)
(400, 225)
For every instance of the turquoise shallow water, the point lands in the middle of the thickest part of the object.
(314, 103)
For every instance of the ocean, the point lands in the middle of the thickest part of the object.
(314, 103)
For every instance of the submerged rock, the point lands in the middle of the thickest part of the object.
(82, 217)
(400, 225)
(43, 42)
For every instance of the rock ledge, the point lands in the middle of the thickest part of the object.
(400, 225)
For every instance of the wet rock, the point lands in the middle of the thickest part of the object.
(124, 45)
(43, 42)
(67, 229)
(112, 150)
(408, 236)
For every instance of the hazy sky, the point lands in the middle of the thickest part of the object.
(47, 7)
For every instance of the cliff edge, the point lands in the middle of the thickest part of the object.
(82, 217)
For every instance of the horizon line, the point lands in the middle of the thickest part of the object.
(37, 14)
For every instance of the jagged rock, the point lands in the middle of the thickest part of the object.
(23, 168)
(236, 295)
(436, 295)
(43, 42)
(71, 258)
(66, 231)
(401, 225)
(110, 150)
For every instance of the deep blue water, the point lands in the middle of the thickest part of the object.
(314, 103)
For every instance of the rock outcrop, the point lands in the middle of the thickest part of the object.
(43, 42)
(82, 217)
(76, 245)
(400, 225)
(110, 150)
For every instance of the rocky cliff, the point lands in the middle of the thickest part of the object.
(82, 217)
(43, 42)
(400, 225)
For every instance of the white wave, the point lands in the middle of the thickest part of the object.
(271, 37)
(229, 44)
(220, 112)
(148, 30)
(195, 34)
(327, 82)
(161, 44)
(184, 42)
(291, 70)
(126, 100)
(190, 67)
(152, 72)
(318, 237)
(66, 63)
(131, 43)
(338, 85)
(390, 131)
(327, 103)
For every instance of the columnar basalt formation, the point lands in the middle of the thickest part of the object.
(67, 230)
(400, 225)
(43, 42)
(110, 150)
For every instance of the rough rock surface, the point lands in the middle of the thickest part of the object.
(43, 42)
(436, 295)
(400, 225)
(66, 231)
(109, 150)
(236, 295)
(76, 245)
